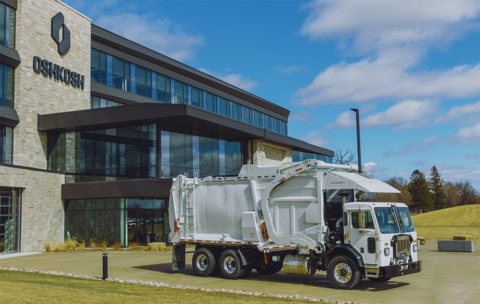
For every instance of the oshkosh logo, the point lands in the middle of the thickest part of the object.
(58, 26)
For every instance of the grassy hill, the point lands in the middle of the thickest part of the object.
(445, 223)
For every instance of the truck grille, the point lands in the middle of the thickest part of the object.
(402, 245)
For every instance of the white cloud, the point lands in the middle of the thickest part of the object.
(161, 35)
(316, 139)
(376, 24)
(407, 114)
(300, 116)
(469, 113)
(235, 79)
(418, 146)
(371, 168)
(467, 135)
(344, 120)
(289, 69)
(472, 155)
(388, 76)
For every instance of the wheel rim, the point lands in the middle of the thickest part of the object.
(343, 273)
(229, 264)
(202, 262)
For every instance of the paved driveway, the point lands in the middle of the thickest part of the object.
(446, 277)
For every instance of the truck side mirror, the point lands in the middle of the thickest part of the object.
(361, 219)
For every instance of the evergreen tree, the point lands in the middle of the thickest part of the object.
(438, 193)
(421, 196)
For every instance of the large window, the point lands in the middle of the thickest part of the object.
(195, 155)
(97, 102)
(129, 77)
(6, 86)
(7, 26)
(9, 219)
(298, 156)
(6, 144)
(120, 220)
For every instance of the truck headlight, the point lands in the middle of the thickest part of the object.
(387, 251)
(415, 247)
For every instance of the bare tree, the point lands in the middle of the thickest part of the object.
(467, 193)
(342, 158)
(453, 197)
(398, 183)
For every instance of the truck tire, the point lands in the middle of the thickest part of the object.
(343, 273)
(231, 265)
(203, 262)
(379, 280)
(246, 271)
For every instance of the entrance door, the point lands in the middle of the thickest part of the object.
(363, 238)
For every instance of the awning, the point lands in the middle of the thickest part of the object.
(346, 180)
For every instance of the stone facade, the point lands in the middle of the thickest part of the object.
(270, 154)
(38, 94)
(42, 219)
(42, 207)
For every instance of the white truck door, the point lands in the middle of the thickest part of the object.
(363, 238)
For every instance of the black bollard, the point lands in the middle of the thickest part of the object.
(105, 266)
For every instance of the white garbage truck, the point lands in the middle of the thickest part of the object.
(301, 218)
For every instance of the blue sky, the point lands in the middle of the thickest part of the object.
(411, 67)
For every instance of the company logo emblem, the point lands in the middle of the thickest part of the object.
(58, 23)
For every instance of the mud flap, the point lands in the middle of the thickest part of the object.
(178, 257)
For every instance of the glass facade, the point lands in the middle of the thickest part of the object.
(126, 76)
(97, 102)
(7, 26)
(6, 144)
(6, 85)
(298, 156)
(9, 219)
(196, 155)
(120, 220)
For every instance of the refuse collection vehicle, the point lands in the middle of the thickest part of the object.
(269, 218)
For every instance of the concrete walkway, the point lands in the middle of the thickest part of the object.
(447, 277)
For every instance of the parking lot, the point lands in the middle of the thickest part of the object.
(447, 277)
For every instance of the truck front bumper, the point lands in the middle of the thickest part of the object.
(404, 269)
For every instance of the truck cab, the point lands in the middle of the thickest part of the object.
(384, 235)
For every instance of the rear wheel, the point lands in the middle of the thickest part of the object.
(203, 262)
(379, 280)
(343, 273)
(246, 271)
(231, 265)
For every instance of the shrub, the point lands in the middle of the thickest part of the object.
(103, 244)
(61, 247)
(134, 246)
(117, 245)
(71, 243)
(81, 246)
(93, 244)
(48, 247)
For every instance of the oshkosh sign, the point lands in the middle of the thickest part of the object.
(60, 73)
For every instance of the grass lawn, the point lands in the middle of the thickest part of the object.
(22, 287)
(445, 223)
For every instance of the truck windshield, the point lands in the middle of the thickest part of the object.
(387, 220)
(406, 219)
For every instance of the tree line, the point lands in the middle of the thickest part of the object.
(422, 194)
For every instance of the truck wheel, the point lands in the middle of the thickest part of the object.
(203, 262)
(231, 265)
(246, 271)
(379, 280)
(343, 273)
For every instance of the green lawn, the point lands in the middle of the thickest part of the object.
(22, 287)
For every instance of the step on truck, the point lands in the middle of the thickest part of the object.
(274, 218)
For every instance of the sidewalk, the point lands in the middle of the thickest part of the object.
(446, 277)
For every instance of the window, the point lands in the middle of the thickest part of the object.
(6, 144)
(9, 219)
(183, 153)
(180, 93)
(367, 217)
(224, 107)
(7, 26)
(196, 97)
(56, 154)
(97, 102)
(298, 156)
(119, 74)
(247, 115)
(163, 90)
(386, 220)
(210, 103)
(6, 86)
(141, 81)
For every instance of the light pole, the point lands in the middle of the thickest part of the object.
(358, 141)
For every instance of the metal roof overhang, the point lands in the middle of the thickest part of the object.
(8, 117)
(346, 180)
(175, 118)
